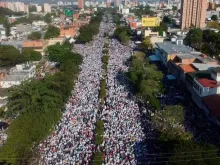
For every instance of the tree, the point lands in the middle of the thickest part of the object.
(146, 44)
(98, 158)
(47, 18)
(35, 107)
(169, 123)
(32, 8)
(9, 56)
(56, 52)
(213, 24)
(194, 38)
(124, 38)
(34, 36)
(52, 32)
(7, 27)
(192, 153)
(146, 79)
(214, 17)
(31, 55)
(174, 8)
(166, 20)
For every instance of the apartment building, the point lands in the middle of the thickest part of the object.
(193, 13)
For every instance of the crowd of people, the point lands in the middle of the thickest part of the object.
(121, 114)
(73, 140)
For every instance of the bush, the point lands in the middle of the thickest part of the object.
(98, 158)
(99, 132)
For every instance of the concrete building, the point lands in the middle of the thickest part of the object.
(38, 45)
(193, 13)
(15, 6)
(81, 4)
(16, 75)
(39, 23)
(39, 8)
(47, 8)
(210, 13)
(54, 41)
(116, 3)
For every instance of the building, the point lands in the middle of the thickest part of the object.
(47, 8)
(193, 13)
(167, 49)
(150, 33)
(15, 6)
(38, 45)
(39, 8)
(81, 4)
(68, 32)
(23, 29)
(116, 3)
(210, 13)
(39, 23)
(16, 75)
(54, 41)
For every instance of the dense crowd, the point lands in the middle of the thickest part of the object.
(73, 140)
(121, 113)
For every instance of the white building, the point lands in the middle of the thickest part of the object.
(125, 11)
(16, 75)
(39, 23)
(39, 8)
(47, 8)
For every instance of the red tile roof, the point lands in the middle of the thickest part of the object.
(213, 103)
(33, 44)
(208, 83)
(186, 68)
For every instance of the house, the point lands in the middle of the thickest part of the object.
(37, 45)
(180, 64)
(16, 75)
(68, 31)
(54, 41)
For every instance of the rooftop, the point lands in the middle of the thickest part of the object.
(33, 44)
(212, 102)
(208, 82)
(201, 66)
(187, 68)
(197, 55)
(200, 74)
(217, 69)
(172, 48)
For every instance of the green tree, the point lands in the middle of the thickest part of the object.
(146, 79)
(213, 24)
(191, 153)
(214, 17)
(32, 8)
(98, 158)
(52, 32)
(39, 104)
(174, 8)
(7, 27)
(194, 38)
(47, 18)
(10, 56)
(34, 36)
(146, 44)
(166, 20)
(170, 124)
(31, 55)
